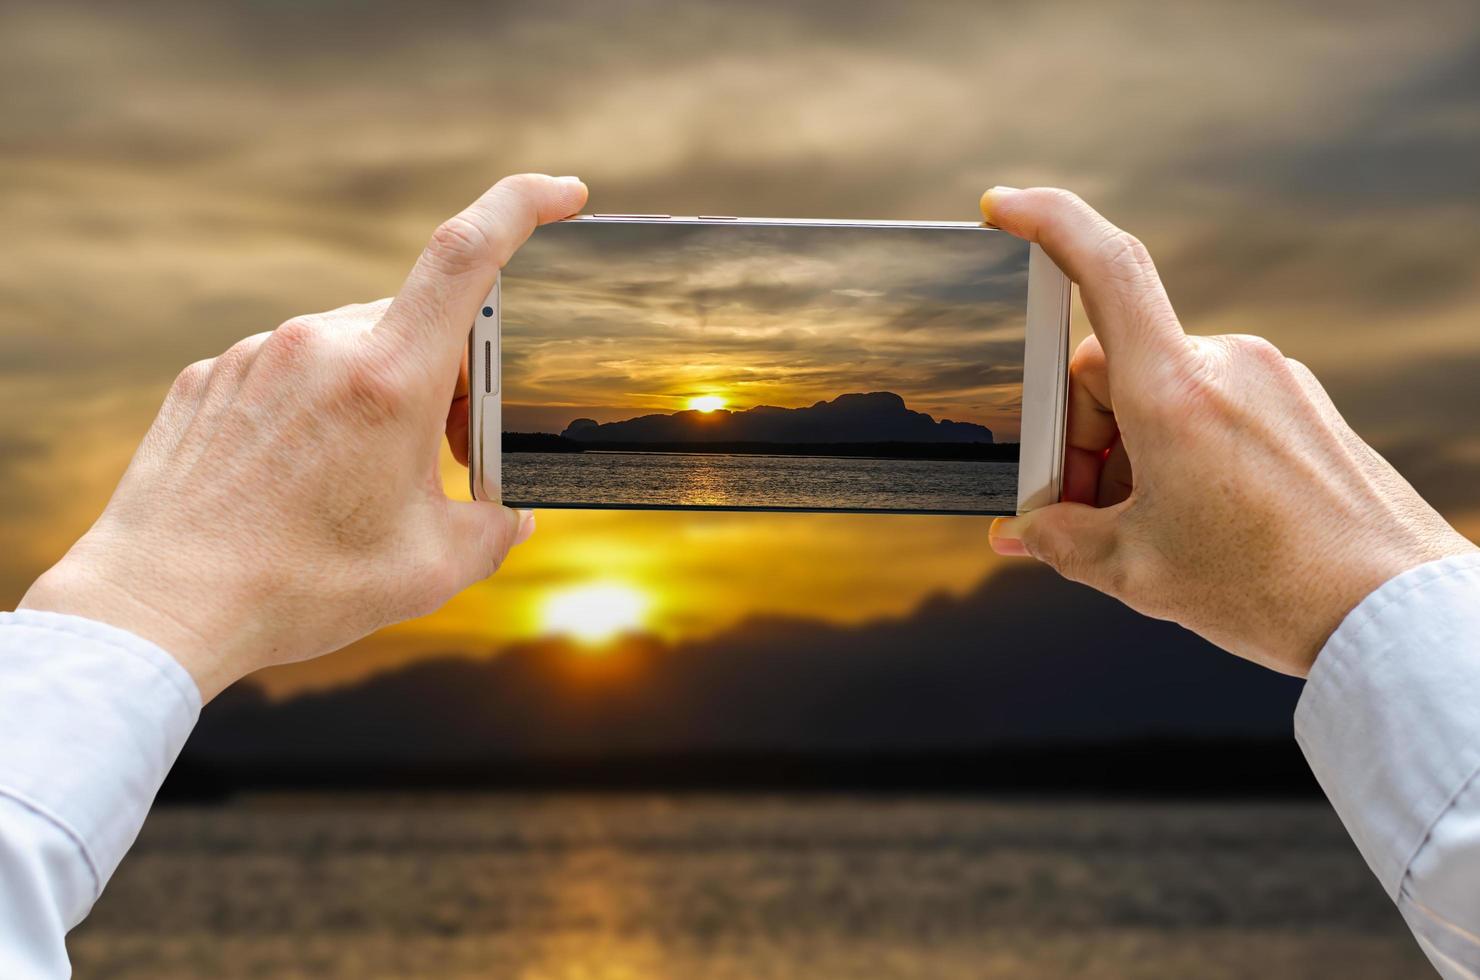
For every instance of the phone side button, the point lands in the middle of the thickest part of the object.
(652, 216)
(718, 217)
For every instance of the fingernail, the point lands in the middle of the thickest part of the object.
(526, 526)
(569, 180)
(1004, 537)
(992, 198)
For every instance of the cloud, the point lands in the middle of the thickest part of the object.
(176, 176)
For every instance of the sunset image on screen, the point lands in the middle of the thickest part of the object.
(764, 367)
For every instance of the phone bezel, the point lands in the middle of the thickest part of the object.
(1045, 376)
(1045, 380)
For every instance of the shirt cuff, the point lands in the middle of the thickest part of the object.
(91, 719)
(1389, 720)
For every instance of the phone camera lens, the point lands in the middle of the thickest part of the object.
(488, 311)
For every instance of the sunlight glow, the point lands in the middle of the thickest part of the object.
(706, 403)
(595, 612)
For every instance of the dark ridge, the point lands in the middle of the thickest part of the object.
(544, 442)
(1024, 684)
(874, 417)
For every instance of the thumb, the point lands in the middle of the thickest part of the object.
(482, 535)
(1080, 542)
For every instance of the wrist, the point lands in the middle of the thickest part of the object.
(1360, 579)
(193, 633)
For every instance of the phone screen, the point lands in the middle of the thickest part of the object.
(764, 367)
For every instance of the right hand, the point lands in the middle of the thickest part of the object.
(1207, 480)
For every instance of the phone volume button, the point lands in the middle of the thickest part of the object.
(658, 217)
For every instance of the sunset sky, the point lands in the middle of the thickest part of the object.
(612, 321)
(176, 176)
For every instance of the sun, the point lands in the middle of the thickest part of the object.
(596, 612)
(706, 403)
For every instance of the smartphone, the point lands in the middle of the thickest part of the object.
(718, 363)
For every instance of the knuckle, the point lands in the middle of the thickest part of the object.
(1189, 391)
(1304, 375)
(1121, 249)
(1222, 379)
(237, 357)
(1259, 351)
(1060, 198)
(458, 245)
(292, 342)
(1198, 381)
(522, 183)
(298, 329)
(192, 380)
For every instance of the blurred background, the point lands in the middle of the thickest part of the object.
(735, 745)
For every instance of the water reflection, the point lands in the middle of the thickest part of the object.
(570, 887)
(972, 486)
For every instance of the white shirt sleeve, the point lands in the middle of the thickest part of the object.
(91, 719)
(1390, 724)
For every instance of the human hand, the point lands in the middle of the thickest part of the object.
(287, 499)
(1207, 480)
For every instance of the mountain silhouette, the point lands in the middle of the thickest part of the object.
(1024, 659)
(873, 417)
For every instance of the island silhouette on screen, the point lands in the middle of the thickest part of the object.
(772, 368)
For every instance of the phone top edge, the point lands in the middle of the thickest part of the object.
(714, 219)
(757, 509)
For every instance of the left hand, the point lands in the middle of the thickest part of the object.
(287, 498)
